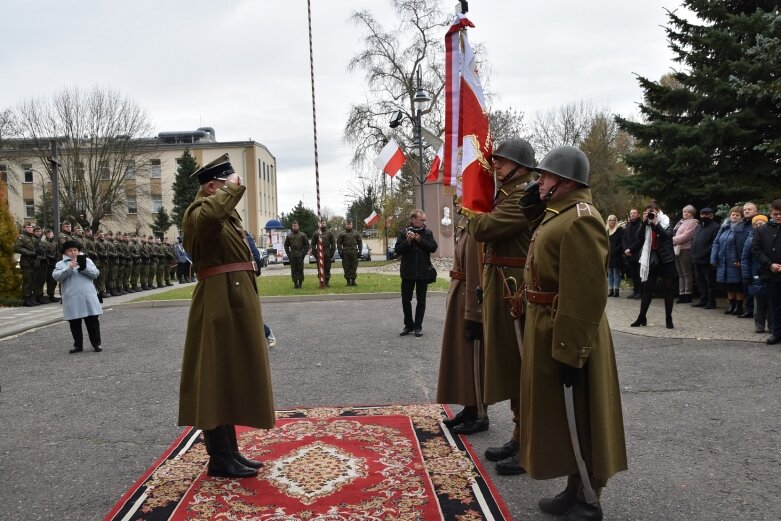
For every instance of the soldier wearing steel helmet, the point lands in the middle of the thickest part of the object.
(506, 233)
(569, 383)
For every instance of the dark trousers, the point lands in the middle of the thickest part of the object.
(747, 300)
(182, 271)
(773, 288)
(93, 330)
(420, 287)
(705, 275)
(633, 269)
(669, 277)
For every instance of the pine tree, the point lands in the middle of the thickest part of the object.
(185, 187)
(307, 219)
(710, 131)
(10, 277)
(161, 223)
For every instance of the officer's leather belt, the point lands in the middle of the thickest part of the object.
(541, 297)
(458, 275)
(514, 262)
(205, 273)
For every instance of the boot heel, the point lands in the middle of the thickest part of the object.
(641, 321)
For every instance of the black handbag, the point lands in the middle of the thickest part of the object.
(432, 275)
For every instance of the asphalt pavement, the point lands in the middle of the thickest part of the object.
(700, 402)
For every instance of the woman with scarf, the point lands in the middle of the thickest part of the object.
(616, 255)
(657, 260)
(683, 234)
(725, 257)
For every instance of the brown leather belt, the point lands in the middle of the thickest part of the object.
(541, 297)
(458, 275)
(514, 262)
(205, 273)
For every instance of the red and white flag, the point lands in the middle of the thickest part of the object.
(468, 145)
(372, 219)
(391, 158)
(433, 172)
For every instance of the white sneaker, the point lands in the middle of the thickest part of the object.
(272, 341)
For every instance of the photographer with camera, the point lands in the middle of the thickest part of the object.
(657, 259)
(76, 274)
(415, 244)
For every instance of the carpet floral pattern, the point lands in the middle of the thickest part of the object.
(325, 464)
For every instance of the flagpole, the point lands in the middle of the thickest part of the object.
(320, 260)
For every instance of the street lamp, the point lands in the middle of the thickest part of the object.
(420, 100)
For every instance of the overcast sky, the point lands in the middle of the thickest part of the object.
(242, 67)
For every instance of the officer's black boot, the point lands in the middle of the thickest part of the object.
(510, 466)
(222, 464)
(501, 453)
(463, 415)
(582, 511)
(231, 431)
(560, 503)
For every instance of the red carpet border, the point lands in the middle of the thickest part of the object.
(325, 464)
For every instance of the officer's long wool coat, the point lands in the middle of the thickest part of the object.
(225, 370)
(506, 232)
(568, 255)
(456, 382)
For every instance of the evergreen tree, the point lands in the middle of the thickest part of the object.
(362, 207)
(307, 219)
(711, 134)
(10, 277)
(185, 187)
(162, 223)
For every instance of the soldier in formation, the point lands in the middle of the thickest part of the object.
(329, 248)
(101, 261)
(31, 256)
(51, 248)
(296, 247)
(349, 245)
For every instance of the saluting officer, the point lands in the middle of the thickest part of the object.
(329, 248)
(296, 247)
(571, 404)
(349, 245)
(505, 233)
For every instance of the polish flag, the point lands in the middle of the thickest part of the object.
(391, 158)
(372, 219)
(433, 172)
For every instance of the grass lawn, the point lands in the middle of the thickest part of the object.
(283, 286)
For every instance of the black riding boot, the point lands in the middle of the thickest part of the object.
(231, 431)
(222, 464)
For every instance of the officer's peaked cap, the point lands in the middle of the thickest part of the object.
(218, 169)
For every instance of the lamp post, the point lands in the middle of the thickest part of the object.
(420, 99)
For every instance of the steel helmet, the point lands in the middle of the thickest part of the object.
(516, 150)
(566, 161)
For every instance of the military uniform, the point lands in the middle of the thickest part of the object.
(296, 247)
(65, 235)
(113, 265)
(153, 260)
(329, 248)
(27, 246)
(102, 263)
(143, 251)
(52, 253)
(350, 246)
(168, 251)
(225, 378)
(460, 359)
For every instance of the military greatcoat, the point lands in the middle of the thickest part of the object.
(456, 365)
(506, 233)
(225, 371)
(569, 257)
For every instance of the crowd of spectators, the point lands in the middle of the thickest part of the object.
(701, 258)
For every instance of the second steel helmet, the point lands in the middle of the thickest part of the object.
(568, 162)
(516, 150)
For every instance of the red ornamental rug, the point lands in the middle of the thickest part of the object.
(325, 464)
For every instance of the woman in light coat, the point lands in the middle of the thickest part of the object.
(683, 235)
(76, 273)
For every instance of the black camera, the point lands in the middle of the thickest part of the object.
(81, 260)
(651, 216)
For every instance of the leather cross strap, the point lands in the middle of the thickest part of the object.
(205, 273)
(541, 297)
(458, 275)
(514, 262)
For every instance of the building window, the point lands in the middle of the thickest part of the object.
(103, 171)
(132, 207)
(29, 208)
(157, 203)
(28, 173)
(154, 168)
(130, 169)
(78, 170)
(4, 173)
(260, 169)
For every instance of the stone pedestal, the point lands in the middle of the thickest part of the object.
(436, 198)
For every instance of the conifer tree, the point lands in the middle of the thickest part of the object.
(185, 187)
(10, 277)
(161, 223)
(710, 132)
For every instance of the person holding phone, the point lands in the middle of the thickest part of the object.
(76, 274)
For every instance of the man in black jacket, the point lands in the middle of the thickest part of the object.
(766, 246)
(415, 244)
(704, 273)
(632, 242)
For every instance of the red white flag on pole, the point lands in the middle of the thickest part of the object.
(372, 219)
(391, 158)
(468, 144)
(433, 172)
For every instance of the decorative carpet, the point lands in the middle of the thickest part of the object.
(325, 464)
